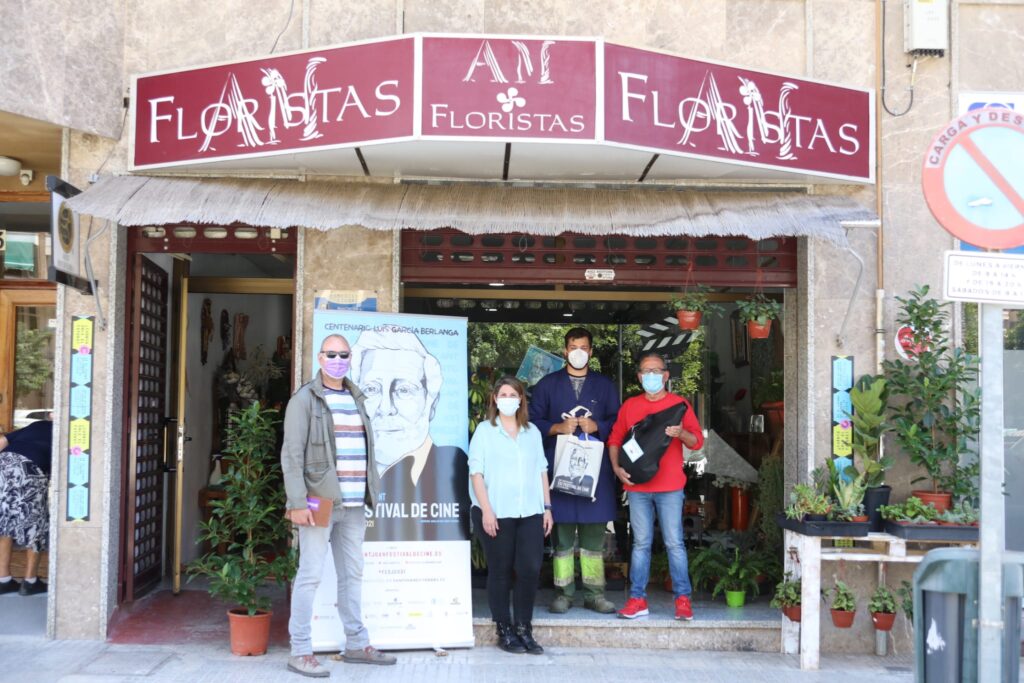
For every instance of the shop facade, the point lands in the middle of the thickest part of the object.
(338, 212)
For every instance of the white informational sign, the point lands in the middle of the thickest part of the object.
(984, 277)
(416, 595)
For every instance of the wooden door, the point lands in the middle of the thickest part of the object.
(144, 518)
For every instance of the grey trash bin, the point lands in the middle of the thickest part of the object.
(946, 613)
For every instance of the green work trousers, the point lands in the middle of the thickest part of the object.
(591, 539)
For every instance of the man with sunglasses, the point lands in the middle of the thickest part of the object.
(328, 453)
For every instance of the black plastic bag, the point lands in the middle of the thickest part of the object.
(642, 461)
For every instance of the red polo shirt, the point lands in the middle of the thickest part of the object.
(670, 476)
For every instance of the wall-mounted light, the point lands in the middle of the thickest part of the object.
(9, 166)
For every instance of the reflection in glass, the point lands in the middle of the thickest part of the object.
(33, 363)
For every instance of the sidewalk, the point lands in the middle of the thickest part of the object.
(42, 661)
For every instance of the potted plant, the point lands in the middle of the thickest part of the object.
(758, 312)
(788, 597)
(843, 604)
(869, 399)
(807, 505)
(738, 578)
(767, 395)
(707, 566)
(882, 606)
(691, 305)
(739, 499)
(936, 406)
(250, 524)
(848, 489)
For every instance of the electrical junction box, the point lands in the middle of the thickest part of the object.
(926, 27)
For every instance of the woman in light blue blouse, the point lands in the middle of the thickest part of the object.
(511, 510)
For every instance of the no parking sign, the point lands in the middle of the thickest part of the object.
(974, 180)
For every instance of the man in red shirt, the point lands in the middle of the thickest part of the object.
(663, 494)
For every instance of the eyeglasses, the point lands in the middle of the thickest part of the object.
(336, 354)
(652, 371)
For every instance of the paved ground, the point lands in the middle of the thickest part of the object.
(37, 660)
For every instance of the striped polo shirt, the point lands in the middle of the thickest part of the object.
(350, 446)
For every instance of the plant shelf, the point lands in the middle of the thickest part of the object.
(931, 532)
(844, 529)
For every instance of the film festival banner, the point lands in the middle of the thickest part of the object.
(416, 578)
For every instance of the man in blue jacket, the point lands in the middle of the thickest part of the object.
(575, 516)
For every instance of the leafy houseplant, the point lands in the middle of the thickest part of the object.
(691, 305)
(844, 605)
(935, 411)
(913, 511)
(806, 502)
(758, 311)
(868, 397)
(249, 522)
(738, 579)
(882, 606)
(848, 490)
(788, 597)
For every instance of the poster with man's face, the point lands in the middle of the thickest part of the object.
(411, 370)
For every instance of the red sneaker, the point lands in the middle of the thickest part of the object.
(635, 607)
(684, 610)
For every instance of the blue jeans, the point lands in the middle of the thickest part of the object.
(669, 507)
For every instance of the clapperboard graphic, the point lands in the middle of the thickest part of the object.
(665, 337)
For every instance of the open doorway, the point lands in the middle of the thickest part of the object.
(210, 328)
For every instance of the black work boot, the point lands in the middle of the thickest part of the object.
(525, 633)
(508, 640)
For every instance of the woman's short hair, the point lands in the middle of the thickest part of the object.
(522, 415)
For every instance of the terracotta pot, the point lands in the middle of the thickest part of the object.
(735, 598)
(756, 330)
(792, 613)
(249, 635)
(688, 320)
(941, 500)
(739, 508)
(842, 618)
(883, 620)
(774, 412)
(860, 518)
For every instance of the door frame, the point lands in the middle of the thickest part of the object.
(15, 293)
(173, 240)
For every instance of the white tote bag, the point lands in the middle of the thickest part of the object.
(577, 462)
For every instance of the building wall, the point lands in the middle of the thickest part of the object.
(826, 39)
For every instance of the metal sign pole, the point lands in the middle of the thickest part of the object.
(993, 520)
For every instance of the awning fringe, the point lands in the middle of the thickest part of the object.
(135, 200)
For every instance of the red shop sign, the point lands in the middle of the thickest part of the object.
(509, 88)
(689, 107)
(310, 100)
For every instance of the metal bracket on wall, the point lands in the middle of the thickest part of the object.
(841, 337)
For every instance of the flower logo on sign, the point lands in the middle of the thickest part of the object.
(511, 99)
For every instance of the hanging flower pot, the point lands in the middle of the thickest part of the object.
(688, 320)
(758, 331)
(792, 613)
(249, 635)
(843, 619)
(883, 620)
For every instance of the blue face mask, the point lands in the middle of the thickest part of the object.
(652, 383)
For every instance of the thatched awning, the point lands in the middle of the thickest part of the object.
(473, 208)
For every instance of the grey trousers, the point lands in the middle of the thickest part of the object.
(346, 532)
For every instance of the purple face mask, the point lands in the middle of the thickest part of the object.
(336, 368)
